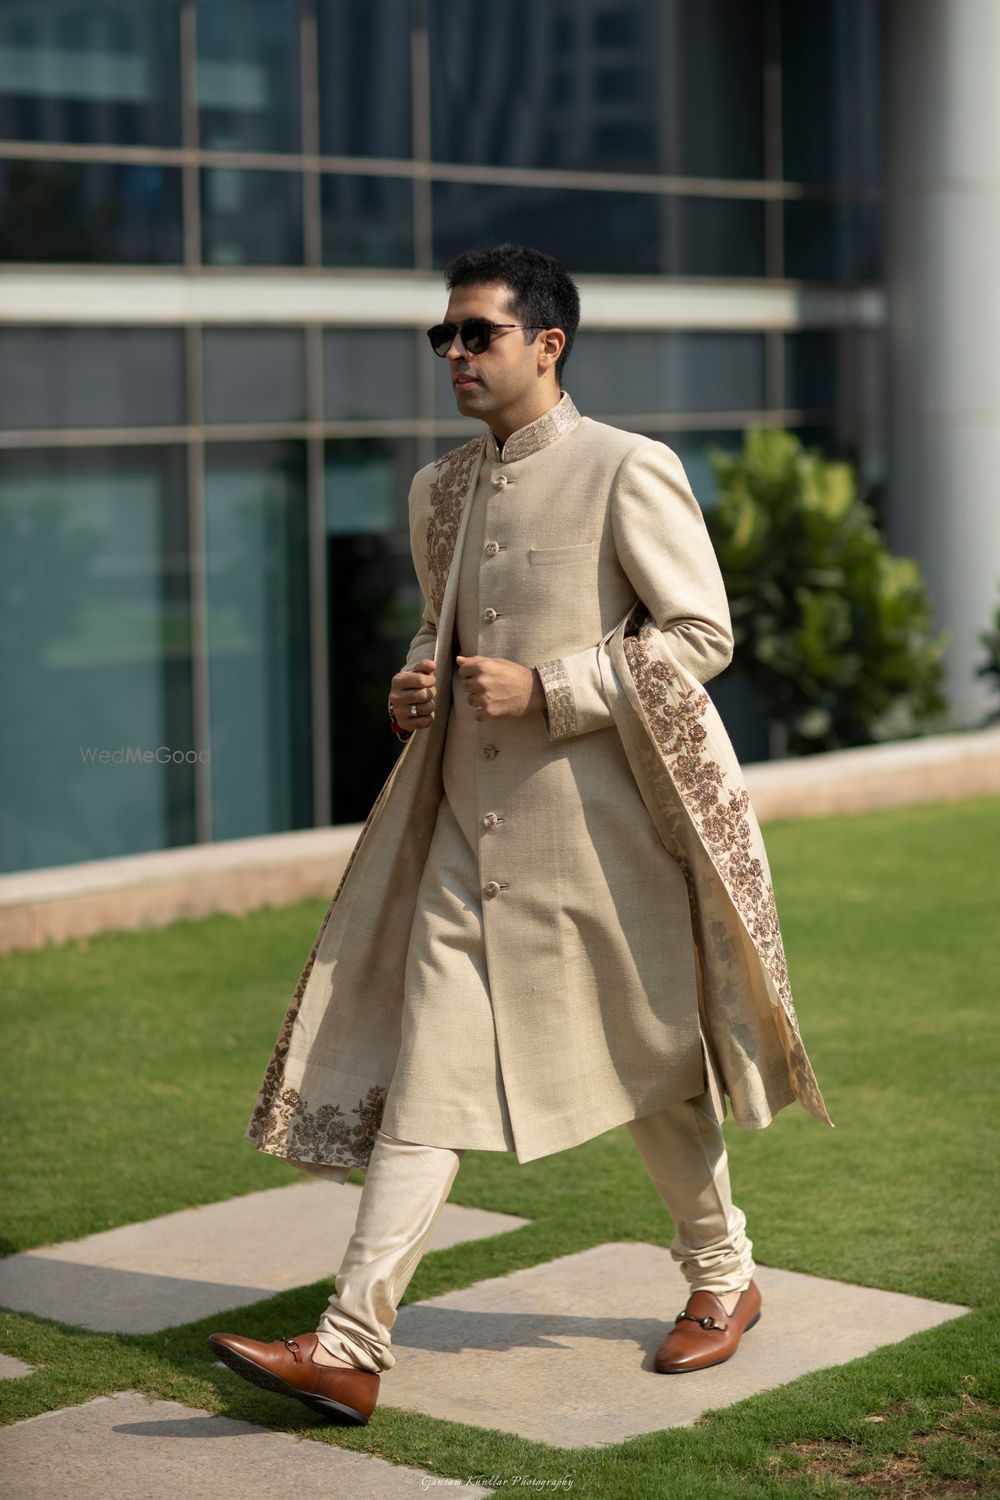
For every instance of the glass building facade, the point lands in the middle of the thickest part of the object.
(223, 224)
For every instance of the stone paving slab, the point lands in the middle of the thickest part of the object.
(13, 1369)
(129, 1447)
(562, 1353)
(187, 1265)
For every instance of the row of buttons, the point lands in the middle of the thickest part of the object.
(491, 819)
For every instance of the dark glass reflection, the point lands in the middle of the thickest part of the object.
(254, 375)
(91, 377)
(640, 234)
(811, 371)
(374, 609)
(106, 73)
(369, 373)
(251, 218)
(248, 75)
(675, 371)
(83, 212)
(367, 221)
(640, 87)
(830, 240)
(831, 92)
(256, 539)
(97, 755)
(364, 71)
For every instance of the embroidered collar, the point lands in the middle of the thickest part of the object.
(560, 418)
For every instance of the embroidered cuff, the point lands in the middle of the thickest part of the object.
(559, 701)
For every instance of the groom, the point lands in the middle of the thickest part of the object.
(545, 864)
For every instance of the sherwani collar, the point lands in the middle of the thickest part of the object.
(562, 417)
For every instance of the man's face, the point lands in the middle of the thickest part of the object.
(505, 373)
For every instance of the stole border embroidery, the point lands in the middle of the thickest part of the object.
(448, 490)
(282, 1122)
(720, 814)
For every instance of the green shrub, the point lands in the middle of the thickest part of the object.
(831, 630)
(991, 667)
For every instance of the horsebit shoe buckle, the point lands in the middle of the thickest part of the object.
(708, 1322)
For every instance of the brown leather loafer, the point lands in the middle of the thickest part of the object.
(705, 1334)
(287, 1366)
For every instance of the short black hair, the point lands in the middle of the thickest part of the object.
(542, 291)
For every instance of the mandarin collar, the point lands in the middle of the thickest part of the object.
(562, 417)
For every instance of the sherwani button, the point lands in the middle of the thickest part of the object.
(488, 752)
(491, 820)
(492, 548)
(491, 888)
(500, 481)
(489, 615)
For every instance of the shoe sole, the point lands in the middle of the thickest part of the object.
(692, 1369)
(267, 1381)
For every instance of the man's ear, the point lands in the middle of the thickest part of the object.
(553, 340)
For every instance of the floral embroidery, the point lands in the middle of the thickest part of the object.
(559, 698)
(448, 490)
(723, 818)
(282, 1123)
(324, 1135)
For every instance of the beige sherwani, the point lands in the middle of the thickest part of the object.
(554, 924)
(566, 1003)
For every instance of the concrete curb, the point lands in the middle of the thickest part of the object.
(240, 875)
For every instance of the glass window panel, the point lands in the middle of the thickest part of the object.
(833, 241)
(369, 373)
(645, 88)
(364, 66)
(251, 218)
(831, 92)
(374, 608)
(91, 377)
(248, 75)
(617, 28)
(610, 373)
(83, 212)
(256, 538)
(811, 372)
(254, 375)
(104, 72)
(97, 755)
(639, 234)
(367, 221)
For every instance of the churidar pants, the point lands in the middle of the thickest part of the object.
(407, 1185)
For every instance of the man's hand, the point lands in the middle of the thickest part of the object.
(415, 686)
(500, 689)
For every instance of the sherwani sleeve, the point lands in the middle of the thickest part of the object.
(663, 545)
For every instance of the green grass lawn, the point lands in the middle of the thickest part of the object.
(133, 1062)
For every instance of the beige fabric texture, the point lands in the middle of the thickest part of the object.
(601, 572)
(407, 1184)
(596, 1018)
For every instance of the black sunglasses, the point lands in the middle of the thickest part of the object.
(476, 334)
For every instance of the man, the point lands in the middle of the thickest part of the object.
(558, 917)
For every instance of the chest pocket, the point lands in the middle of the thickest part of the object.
(544, 556)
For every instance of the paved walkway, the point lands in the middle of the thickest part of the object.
(560, 1353)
